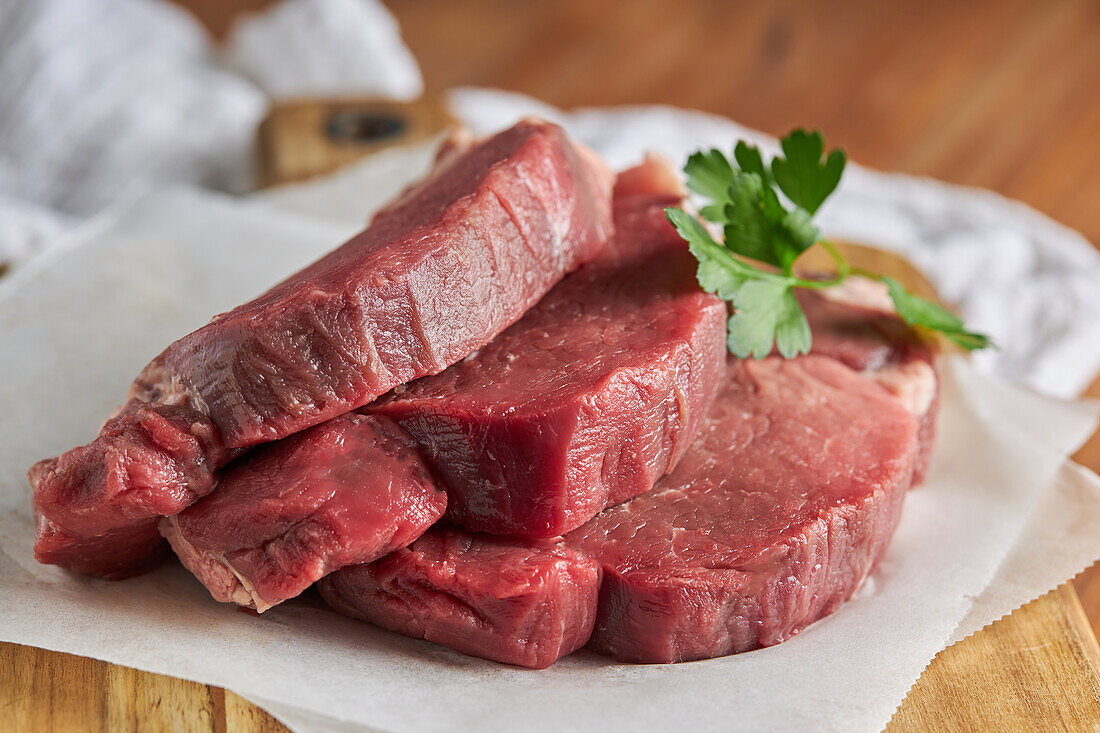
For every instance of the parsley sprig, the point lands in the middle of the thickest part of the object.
(753, 268)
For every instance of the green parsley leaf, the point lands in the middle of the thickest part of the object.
(709, 174)
(792, 330)
(919, 312)
(715, 274)
(749, 160)
(747, 229)
(760, 228)
(802, 176)
(767, 313)
(794, 233)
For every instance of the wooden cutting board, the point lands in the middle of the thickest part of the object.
(1036, 669)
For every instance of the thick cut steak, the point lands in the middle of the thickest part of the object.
(433, 278)
(856, 324)
(778, 513)
(527, 605)
(114, 554)
(773, 517)
(107, 497)
(589, 398)
(345, 492)
(437, 275)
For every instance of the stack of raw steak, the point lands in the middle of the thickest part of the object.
(439, 273)
(463, 442)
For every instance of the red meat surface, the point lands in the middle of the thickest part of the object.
(436, 276)
(526, 604)
(98, 507)
(860, 329)
(109, 555)
(591, 397)
(783, 506)
(775, 515)
(345, 492)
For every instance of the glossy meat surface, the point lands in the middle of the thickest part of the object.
(587, 400)
(857, 326)
(432, 279)
(348, 491)
(97, 508)
(438, 274)
(114, 555)
(774, 517)
(527, 605)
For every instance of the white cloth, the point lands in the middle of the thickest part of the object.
(312, 48)
(100, 99)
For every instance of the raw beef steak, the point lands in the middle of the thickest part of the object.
(856, 324)
(437, 275)
(432, 279)
(345, 492)
(108, 497)
(773, 517)
(591, 397)
(114, 554)
(525, 604)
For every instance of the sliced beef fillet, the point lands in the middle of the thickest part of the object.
(591, 397)
(148, 461)
(856, 324)
(435, 276)
(778, 513)
(113, 554)
(345, 492)
(774, 516)
(525, 604)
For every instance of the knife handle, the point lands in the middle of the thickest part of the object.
(304, 138)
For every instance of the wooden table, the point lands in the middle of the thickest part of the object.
(1003, 94)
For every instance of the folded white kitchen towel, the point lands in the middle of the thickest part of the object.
(100, 99)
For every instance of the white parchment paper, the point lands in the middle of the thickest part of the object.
(75, 328)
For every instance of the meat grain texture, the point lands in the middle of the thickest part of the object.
(778, 513)
(436, 276)
(344, 492)
(526, 604)
(774, 516)
(591, 397)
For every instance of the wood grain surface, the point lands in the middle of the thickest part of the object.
(996, 93)
(1001, 94)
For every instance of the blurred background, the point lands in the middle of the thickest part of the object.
(99, 98)
(1003, 94)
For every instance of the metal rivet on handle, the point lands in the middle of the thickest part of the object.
(364, 126)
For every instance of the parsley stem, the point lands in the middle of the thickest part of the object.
(843, 269)
(866, 273)
(746, 266)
